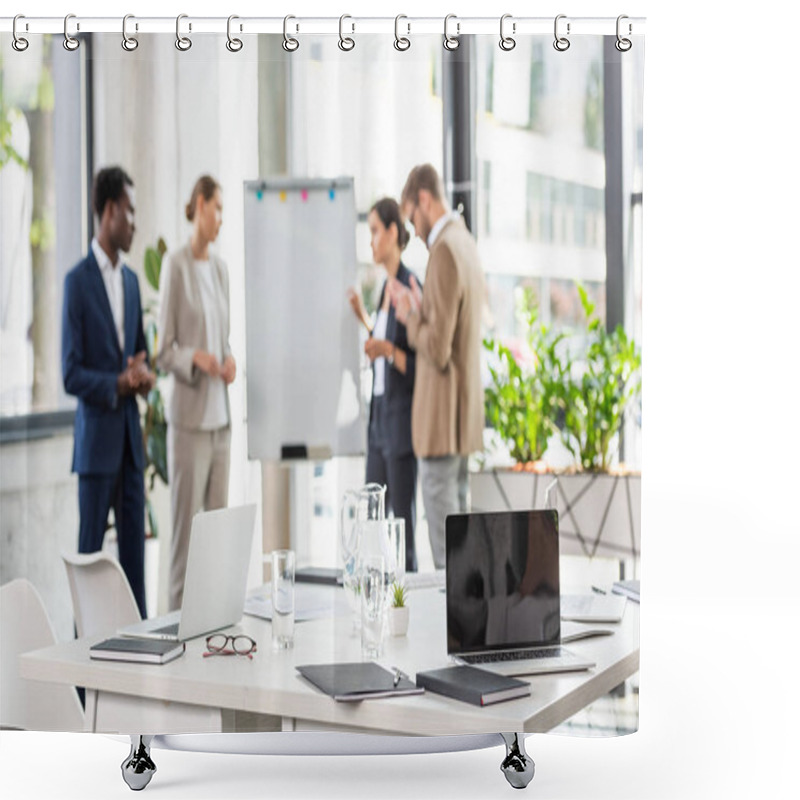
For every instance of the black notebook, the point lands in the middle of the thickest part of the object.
(472, 685)
(357, 681)
(145, 651)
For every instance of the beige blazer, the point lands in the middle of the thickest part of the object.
(447, 413)
(182, 330)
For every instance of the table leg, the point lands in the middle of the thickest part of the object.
(517, 766)
(138, 768)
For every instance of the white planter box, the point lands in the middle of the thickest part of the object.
(599, 514)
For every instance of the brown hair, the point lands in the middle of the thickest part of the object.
(423, 176)
(389, 212)
(206, 186)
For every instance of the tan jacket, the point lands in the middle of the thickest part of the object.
(182, 330)
(447, 413)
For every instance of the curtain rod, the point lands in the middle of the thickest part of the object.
(350, 25)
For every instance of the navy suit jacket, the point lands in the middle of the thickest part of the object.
(398, 388)
(91, 360)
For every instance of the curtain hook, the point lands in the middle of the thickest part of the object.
(345, 42)
(19, 43)
(290, 44)
(129, 43)
(183, 43)
(622, 44)
(451, 42)
(70, 42)
(561, 43)
(507, 42)
(401, 43)
(234, 45)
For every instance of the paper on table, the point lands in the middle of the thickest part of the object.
(310, 602)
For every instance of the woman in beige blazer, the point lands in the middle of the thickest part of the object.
(194, 327)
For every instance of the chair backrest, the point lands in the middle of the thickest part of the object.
(102, 600)
(30, 705)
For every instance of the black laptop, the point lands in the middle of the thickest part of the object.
(503, 596)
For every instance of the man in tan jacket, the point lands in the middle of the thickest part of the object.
(443, 327)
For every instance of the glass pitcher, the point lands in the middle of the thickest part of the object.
(362, 505)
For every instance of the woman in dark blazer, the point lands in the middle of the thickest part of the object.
(390, 457)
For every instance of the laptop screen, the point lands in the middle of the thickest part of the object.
(502, 581)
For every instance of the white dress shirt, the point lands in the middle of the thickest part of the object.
(379, 332)
(112, 278)
(216, 413)
(440, 223)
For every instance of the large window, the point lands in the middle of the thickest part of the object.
(43, 220)
(539, 147)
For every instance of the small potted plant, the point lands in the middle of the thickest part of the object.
(398, 611)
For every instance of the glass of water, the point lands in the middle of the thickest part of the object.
(373, 606)
(282, 599)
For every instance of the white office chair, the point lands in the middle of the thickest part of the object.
(24, 704)
(102, 600)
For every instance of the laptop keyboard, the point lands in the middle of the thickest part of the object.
(173, 628)
(513, 655)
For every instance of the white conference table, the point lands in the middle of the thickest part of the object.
(193, 694)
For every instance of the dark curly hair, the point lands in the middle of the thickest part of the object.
(109, 184)
(388, 212)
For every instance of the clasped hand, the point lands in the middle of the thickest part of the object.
(208, 363)
(136, 378)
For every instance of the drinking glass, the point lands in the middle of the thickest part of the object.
(283, 599)
(373, 606)
(366, 504)
(385, 538)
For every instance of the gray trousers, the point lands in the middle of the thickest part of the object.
(199, 464)
(444, 483)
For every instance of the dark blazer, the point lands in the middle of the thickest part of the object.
(91, 360)
(399, 388)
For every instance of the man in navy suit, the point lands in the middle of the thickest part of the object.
(104, 364)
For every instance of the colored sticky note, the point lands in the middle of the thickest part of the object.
(304, 194)
(282, 196)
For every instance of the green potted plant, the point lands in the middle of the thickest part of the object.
(154, 423)
(575, 399)
(596, 400)
(398, 611)
(522, 401)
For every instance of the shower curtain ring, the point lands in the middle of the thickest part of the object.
(345, 42)
(623, 44)
(451, 42)
(507, 42)
(290, 44)
(19, 43)
(129, 43)
(233, 44)
(70, 42)
(183, 43)
(401, 43)
(561, 43)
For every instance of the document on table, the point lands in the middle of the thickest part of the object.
(310, 602)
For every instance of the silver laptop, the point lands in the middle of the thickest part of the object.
(503, 598)
(216, 578)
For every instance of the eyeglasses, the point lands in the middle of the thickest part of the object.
(241, 645)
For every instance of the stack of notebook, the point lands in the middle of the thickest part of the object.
(144, 651)
(473, 685)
